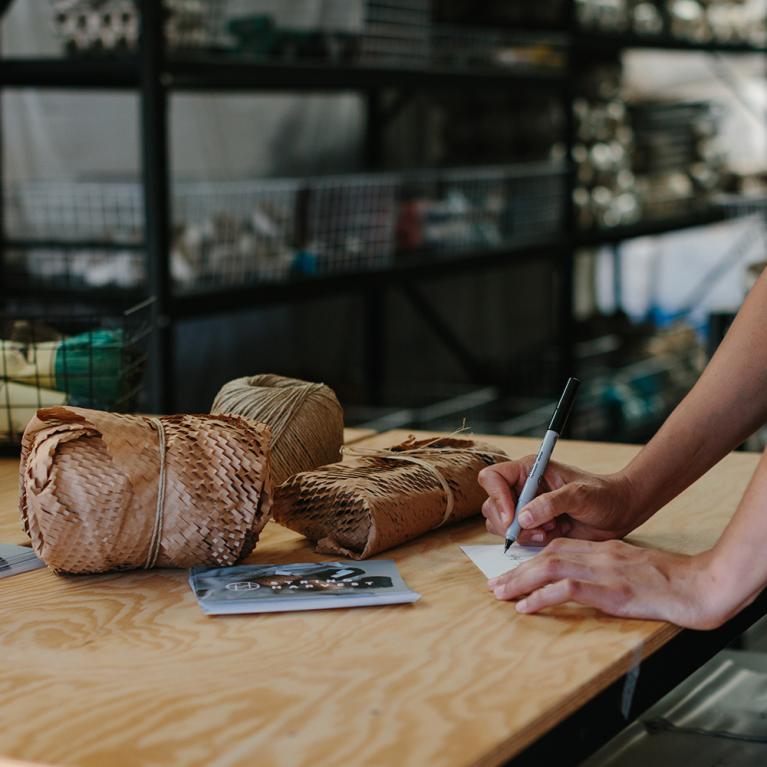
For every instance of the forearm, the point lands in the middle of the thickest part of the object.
(727, 404)
(738, 564)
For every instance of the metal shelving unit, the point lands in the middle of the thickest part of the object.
(649, 228)
(155, 74)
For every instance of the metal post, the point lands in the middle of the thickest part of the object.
(156, 185)
(3, 275)
(375, 344)
(567, 260)
(374, 351)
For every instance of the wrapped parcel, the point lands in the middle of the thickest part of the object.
(101, 491)
(377, 499)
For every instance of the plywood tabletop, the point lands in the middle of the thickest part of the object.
(352, 435)
(125, 669)
(10, 527)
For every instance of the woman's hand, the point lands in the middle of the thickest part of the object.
(622, 580)
(570, 503)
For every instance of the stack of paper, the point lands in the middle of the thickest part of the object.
(17, 559)
(302, 586)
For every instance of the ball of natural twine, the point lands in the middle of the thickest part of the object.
(306, 419)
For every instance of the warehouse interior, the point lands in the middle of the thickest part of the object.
(441, 209)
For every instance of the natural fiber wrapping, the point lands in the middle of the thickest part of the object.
(90, 485)
(382, 498)
(306, 419)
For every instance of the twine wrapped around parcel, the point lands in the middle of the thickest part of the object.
(382, 498)
(306, 419)
(101, 491)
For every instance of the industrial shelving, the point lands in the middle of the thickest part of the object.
(155, 74)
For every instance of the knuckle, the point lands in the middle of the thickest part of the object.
(552, 566)
(570, 587)
(580, 492)
(624, 591)
(556, 545)
(542, 508)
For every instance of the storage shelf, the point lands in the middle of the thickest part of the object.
(217, 74)
(649, 228)
(199, 301)
(90, 73)
(212, 72)
(596, 41)
(103, 296)
(220, 73)
(12, 243)
(220, 300)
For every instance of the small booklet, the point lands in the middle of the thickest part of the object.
(304, 586)
(17, 559)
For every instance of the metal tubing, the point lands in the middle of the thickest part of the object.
(156, 184)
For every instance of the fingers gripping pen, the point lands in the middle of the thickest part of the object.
(530, 488)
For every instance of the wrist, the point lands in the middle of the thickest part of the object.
(628, 502)
(717, 587)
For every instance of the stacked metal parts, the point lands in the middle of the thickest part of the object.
(605, 194)
(112, 26)
(641, 161)
(679, 161)
(694, 21)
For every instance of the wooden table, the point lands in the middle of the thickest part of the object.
(125, 670)
(352, 435)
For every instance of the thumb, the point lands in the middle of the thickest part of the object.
(548, 506)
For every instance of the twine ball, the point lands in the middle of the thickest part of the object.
(306, 419)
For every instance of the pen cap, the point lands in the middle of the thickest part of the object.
(565, 405)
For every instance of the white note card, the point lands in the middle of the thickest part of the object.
(492, 560)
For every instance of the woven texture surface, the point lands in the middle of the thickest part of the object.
(371, 503)
(89, 489)
(306, 419)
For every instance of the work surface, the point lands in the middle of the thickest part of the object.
(125, 670)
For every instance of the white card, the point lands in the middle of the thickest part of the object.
(492, 561)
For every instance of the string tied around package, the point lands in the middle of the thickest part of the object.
(411, 456)
(306, 419)
(154, 543)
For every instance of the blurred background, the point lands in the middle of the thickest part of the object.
(440, 208)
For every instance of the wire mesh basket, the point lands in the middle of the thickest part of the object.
(480, 208)
(73, 234)
(397, 33)
(51, 357)
(233, 233)
(350, 223)
(99, 27)
(90, 235)
(75, 210)
(377, 33)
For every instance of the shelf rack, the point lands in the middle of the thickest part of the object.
(155, 75)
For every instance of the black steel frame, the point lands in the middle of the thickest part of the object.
(600, 719)
(156, 76)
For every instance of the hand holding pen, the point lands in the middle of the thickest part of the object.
(569, 502)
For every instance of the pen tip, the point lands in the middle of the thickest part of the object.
(507, 545)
